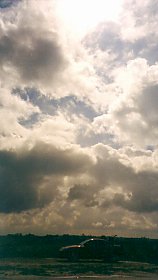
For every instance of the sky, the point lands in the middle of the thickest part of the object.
(79, 122)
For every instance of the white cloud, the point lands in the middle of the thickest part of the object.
(57, 130)
(132, 118)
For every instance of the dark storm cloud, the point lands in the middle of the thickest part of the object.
(23, 173)
(139, 189)
(77, 192)
(143, 194)
(83, 193)
(29, 44)
(115, 184)
(147, 104)
(36, 57)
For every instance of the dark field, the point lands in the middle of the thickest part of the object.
(44, 269)
(32, 257)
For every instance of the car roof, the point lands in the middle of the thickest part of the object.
(93, 239)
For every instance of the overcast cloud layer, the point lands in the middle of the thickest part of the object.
(79, 122)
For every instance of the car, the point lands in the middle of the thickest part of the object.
(94, 248)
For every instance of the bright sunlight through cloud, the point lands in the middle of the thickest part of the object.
(82, 15)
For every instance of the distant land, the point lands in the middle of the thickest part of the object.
(32, 246)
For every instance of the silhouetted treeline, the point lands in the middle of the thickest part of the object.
(32, 246)
(28, 246)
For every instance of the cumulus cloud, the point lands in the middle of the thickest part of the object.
(133, 117)
(77, 192)
(29, 177)
(113, 182)
(32, 58)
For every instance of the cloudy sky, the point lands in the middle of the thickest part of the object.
(79, 121)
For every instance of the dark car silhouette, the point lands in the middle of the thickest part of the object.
(94, 248)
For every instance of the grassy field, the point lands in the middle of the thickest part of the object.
(47, 269)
